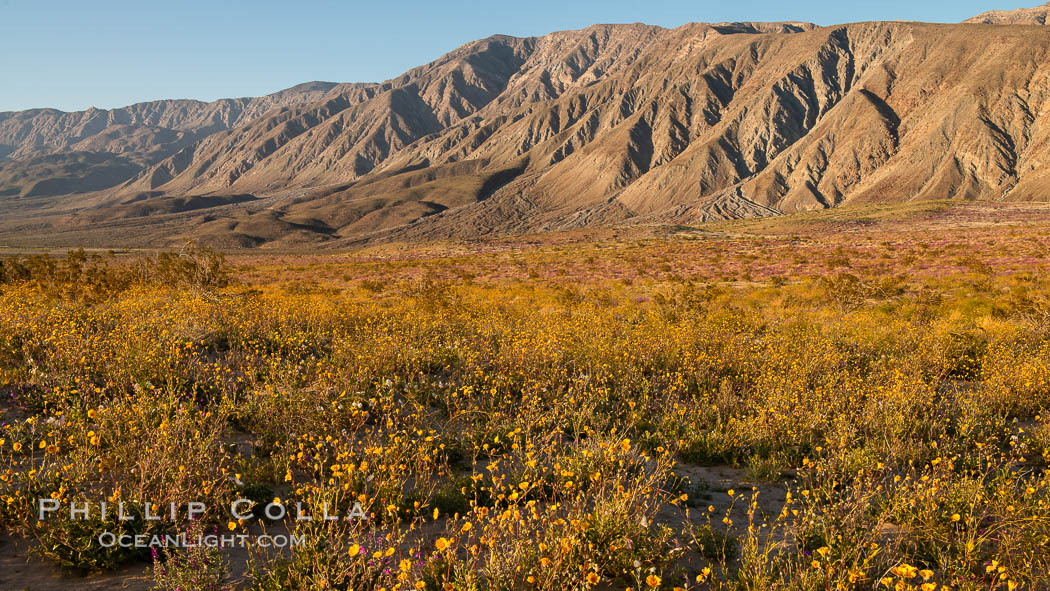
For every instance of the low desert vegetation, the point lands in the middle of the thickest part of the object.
(545, 416)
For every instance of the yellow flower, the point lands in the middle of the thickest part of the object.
(354, 550)
(592, 579)
(706, 572)
(956, 517)
(653, 581)
(232, 525)
(906, 571)
(466, 527)
(442, 544)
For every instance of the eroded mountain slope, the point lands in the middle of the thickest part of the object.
(625, 123)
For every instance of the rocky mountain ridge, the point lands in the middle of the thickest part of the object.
(605, 125)
(1022, 16)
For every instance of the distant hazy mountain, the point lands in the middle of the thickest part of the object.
(1021, 16)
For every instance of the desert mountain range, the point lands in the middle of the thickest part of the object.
(605, 125)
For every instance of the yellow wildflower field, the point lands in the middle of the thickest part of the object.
(826, 401)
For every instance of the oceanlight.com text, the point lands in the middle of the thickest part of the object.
(110, 539)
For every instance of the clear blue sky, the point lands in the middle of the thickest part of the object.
(106, 53)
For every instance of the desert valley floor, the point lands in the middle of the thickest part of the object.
(848, 399)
